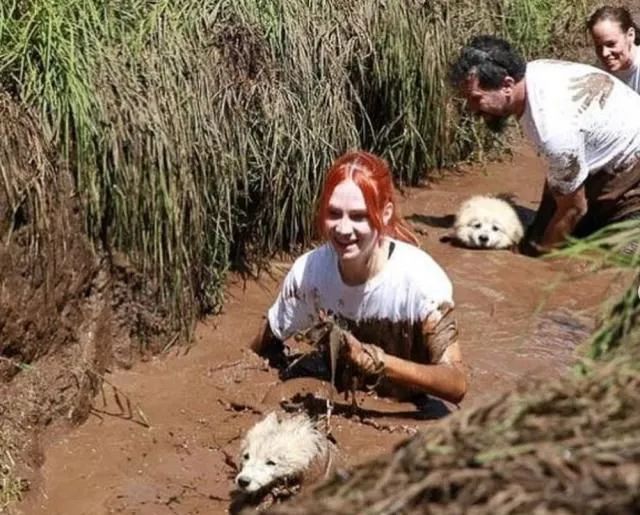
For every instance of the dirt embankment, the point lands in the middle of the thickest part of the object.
(66, 310)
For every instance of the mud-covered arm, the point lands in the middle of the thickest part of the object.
(563, 201)
(570, 209)
(444, 378)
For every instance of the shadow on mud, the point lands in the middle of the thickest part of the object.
(441, 222)
(525, 214)
(427, 408)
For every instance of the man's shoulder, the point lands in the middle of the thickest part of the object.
(560, 66)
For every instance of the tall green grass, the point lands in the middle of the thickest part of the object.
(198, 131)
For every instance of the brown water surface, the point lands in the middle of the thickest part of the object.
(519, 317)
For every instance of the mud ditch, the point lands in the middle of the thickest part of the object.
(520, 319)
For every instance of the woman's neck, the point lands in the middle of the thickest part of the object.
(356, 272)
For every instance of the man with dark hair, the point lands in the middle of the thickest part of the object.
(584, 121)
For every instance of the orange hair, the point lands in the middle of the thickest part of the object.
(373, 176)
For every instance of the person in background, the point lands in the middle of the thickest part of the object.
(616, 39)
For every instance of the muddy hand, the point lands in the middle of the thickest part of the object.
(590, 87)
(317, 332)
(367, 357)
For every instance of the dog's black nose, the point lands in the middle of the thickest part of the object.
(483, 238)
(243, 482)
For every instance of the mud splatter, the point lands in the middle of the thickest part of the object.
(591, 87)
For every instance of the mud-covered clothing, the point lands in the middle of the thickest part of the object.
(584, 121)
(630, 76)
(406, 309)
(611, 198)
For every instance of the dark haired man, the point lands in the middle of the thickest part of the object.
(584, 121)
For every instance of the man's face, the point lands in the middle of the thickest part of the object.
(492, 104)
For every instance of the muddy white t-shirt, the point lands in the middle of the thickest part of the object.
(389, 310)
(581, 119)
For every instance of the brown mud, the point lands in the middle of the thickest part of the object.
(519, 318)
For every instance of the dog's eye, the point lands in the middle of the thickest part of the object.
(477, 225)
(496, 228)
(271, 463)
(245, 456)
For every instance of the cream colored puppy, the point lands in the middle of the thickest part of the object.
(282, 448)
(487, 223)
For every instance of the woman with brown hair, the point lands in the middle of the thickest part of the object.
(616, 39)
(395, 300)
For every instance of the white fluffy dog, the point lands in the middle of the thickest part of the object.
(281, 450)
(488, 223)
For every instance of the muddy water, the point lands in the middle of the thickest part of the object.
(519, 318)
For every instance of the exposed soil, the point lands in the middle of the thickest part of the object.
(66, 310)
(519, 317)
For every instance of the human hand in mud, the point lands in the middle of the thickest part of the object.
(591, 86)
(367, 357)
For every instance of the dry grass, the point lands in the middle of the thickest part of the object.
(11, 485)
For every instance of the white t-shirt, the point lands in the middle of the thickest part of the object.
(389, 310)
(581, 119)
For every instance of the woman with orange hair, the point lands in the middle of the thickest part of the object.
(395, 300)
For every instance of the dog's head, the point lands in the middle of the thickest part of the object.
(484, 233)
(489, 223)
(275, 450)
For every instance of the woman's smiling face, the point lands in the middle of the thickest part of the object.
(613, 46)
(347, 223)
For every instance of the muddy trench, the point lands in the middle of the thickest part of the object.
(520, 318)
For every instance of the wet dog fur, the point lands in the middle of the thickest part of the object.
(277, 455)
(485, 222)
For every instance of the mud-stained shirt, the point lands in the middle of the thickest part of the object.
(406, 308)
(581, 119)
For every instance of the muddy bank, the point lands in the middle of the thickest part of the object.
(66, 310)
(520, 318)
